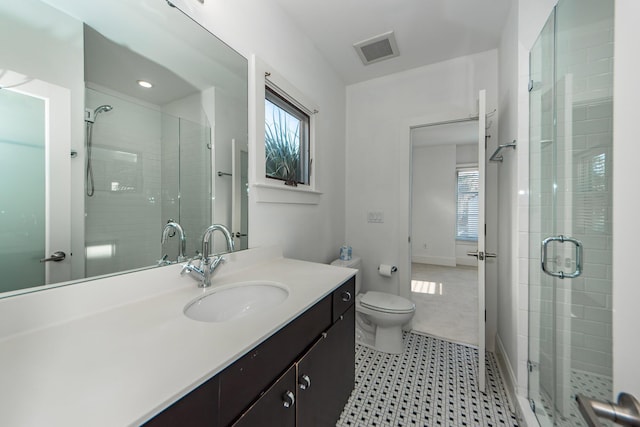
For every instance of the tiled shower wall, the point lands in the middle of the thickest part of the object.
(122, 217)
(585, 57)
(149, 166)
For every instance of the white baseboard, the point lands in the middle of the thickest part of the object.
(518, 404)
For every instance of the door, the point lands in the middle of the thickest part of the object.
(239, 196)
(482, 121)
(570, 222)
(35, 171)
(326, 374)
(276, 406)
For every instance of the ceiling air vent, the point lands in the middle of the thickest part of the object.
(377, 48)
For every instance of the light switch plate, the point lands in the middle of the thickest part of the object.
(375, 217)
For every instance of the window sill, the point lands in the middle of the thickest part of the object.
(272, 193)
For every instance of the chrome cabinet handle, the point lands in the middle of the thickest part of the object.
(56, 256)
(346, 296)
(490, 255)
(288, 399)
(305, 382)
(561, 274)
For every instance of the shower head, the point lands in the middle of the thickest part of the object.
(90, 116)
(102, 108)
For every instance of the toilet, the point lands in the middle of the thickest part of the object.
(379, 315)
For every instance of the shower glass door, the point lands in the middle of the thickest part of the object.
(570, 341)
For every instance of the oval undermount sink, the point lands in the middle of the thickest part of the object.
(236, 301)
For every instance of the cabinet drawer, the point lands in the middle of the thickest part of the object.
(243, 381)
(343, 298)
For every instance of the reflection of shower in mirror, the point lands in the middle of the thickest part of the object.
(90, 118)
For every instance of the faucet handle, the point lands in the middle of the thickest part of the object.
(217, 260)
(187, 268)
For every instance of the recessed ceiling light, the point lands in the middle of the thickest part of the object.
(145, 84)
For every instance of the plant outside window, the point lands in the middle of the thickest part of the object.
(286, 139)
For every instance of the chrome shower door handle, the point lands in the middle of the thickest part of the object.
(561, 274)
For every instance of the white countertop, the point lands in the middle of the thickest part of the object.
(124, 361)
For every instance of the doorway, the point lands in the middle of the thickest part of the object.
(34, 165)
(444, 227)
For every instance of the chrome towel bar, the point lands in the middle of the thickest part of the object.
(496, 156)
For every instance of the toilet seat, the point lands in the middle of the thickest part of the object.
(386, 303)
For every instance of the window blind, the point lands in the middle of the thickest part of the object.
(467, 204)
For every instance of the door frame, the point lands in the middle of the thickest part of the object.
(404, 195)
(57, 101)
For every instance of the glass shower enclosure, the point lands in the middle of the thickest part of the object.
(571, 94)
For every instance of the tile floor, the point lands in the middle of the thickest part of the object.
(587, 383)
(433, 383)
(446, 301)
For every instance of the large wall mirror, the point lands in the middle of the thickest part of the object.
(116, 117)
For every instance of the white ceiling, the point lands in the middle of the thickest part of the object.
(427, 31)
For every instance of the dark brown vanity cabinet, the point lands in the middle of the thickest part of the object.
(302, 375)
(326, 374)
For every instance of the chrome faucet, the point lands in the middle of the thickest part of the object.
(172, 225)
(208, 264)
(206, 238)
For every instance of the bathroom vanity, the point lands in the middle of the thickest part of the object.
(302, 375)
(120, 350)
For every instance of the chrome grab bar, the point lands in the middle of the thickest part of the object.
(626, 412)
(561, 274)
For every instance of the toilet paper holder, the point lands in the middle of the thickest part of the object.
(393, 269)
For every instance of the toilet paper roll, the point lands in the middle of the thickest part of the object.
(385, 270)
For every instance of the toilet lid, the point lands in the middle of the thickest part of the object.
(386, 302)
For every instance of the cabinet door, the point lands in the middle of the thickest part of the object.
(198, 408)
(326, 374)
(243, 381)
(344, 357)
(276, 407)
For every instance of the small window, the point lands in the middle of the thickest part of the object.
(286, 140)
(467, 204)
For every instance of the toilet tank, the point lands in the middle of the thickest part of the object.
(354, 262)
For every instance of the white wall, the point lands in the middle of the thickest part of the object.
(626, 293)
(507, 191)
(311, 232)
(434, 207)
(525, 21)
(379, 113)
